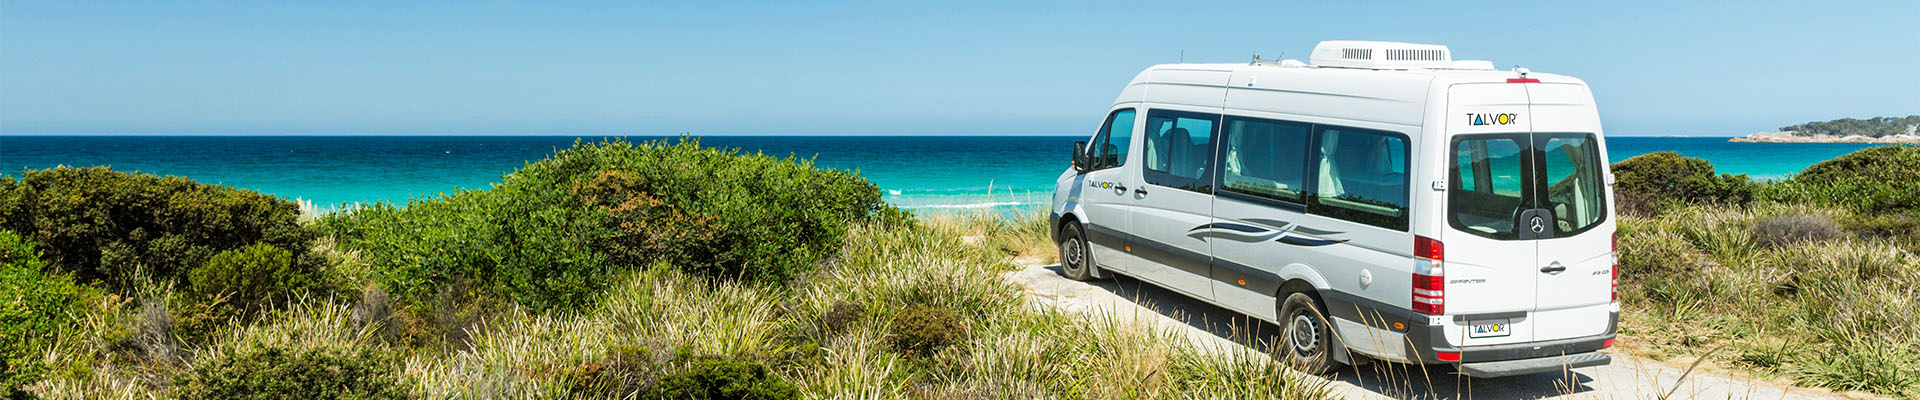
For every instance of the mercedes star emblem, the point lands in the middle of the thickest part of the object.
(1539, 225)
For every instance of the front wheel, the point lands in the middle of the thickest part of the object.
(1076, 261)
(1308, 341)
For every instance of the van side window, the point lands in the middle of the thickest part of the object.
(1179, 150)
(1361, 176)
(1109, 148)
(1265, 158)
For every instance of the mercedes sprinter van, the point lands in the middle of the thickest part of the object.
(1382, 200)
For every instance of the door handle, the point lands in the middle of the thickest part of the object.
(1140, 191)
(1121, 188)
(1554, 269)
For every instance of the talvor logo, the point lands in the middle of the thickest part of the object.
(1493, 119)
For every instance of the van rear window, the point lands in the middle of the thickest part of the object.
(1489, 183)
(1496, 177)
(1576, 192)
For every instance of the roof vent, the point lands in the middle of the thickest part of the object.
(1380, 55)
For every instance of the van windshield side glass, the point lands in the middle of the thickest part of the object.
(1109, 148)
(1488, 184)
(1576, 193)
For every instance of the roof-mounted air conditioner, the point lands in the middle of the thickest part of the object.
(1381, 55)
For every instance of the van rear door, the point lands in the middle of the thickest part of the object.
(1575, 292)
(1490, 277)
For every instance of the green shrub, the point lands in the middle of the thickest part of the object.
(923, 330)
(724, 379)
(525, 245)
(109, 226)
(34, 307)
(251, 277)
(277, 373)
(1666, 178)
(716, 212)
(1870, 181)
(554, 233)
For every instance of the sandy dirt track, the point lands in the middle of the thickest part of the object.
(1212, 327)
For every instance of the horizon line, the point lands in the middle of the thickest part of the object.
(643, 135)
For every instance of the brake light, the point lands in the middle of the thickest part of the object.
(1616, 282)
(1429, 278)
(1522, 80)
(1430, 249)
(1616, 267)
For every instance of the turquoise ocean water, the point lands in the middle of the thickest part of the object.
(917, 172)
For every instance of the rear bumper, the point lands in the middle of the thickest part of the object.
(1425, 341)
(1495, 369)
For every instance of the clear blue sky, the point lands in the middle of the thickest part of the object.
(1658, 68)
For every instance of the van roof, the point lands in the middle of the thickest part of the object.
(1296, 69)
(1398, 96)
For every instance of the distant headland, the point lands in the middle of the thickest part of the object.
(1844, 130)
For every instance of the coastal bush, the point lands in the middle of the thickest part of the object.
(1664, 179)
(120, 228)
(34, 307)
(1875, 180)
(552, 235)
(520, 244)
(278, 373)
(921, 331)
(715, 379)
(715, 212)
(251, 277)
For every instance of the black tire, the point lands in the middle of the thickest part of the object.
(1076, 259)
(1306, 342)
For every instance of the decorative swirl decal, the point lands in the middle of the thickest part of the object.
(1279, 231)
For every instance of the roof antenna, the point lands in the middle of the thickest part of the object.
(1183, 55)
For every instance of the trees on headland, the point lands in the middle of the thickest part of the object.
(1871, 127)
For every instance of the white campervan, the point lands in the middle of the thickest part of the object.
(1383, 200)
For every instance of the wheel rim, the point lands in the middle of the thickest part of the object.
(1071, 256)
(1305, 335)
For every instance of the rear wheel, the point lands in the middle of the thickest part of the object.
(1307, 341)
(1076, 261)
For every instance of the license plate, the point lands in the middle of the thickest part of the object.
(1494, 328)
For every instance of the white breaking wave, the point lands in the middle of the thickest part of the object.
(970, 205)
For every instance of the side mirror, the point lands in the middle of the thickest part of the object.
(1080, 156)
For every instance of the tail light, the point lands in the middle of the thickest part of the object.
(1429, 278)
(1616, 266)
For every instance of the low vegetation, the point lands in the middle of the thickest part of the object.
(584, 276)
(1651, 182)
(1813, 279)
(121, 230)
(667, 270)
(36, 304)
